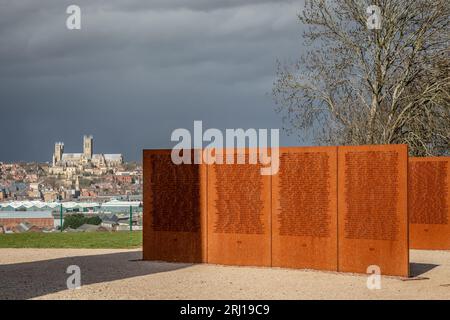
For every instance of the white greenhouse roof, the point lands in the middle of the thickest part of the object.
(41, 204)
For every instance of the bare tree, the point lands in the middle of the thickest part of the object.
(356, 85)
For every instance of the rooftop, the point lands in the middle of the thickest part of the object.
(38, 204)
(25, 214)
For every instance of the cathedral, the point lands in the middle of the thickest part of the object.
(87, 159)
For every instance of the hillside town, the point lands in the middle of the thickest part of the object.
(87, 183)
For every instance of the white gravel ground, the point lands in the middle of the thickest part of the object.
(118, 274)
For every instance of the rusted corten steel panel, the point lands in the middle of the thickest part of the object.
(373, 209)
(239, 214)
(329, 208)
(304, 209)
(429, 203)
(174, 209)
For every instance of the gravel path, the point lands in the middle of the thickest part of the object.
(118, 274)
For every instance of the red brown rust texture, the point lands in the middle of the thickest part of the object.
(174, 209)
(239, 213)
(429, 203)
(329, 208)
(372, 206)
(304, 209)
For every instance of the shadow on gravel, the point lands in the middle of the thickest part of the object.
(33, 279)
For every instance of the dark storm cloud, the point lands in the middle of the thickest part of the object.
(137, 70)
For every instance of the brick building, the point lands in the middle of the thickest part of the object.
(37, 218)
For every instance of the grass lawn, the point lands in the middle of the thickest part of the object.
(112, 240)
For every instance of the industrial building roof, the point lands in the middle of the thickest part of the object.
(37, 204)
(25, 214)
(119, 203)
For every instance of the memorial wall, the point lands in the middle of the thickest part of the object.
(372, 207)
(327, 208)
(429, 207)
(304, 209)
(239, 213)
(174, 209)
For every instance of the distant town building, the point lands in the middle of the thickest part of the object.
(34, 191)
(50, 196)
(37, 218)
(71, 163)
(112, 206)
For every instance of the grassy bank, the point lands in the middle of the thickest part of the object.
(113, 240)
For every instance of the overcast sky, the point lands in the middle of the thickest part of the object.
(137, 70)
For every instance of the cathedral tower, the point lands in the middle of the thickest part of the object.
(88, 142)
(59, 150)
